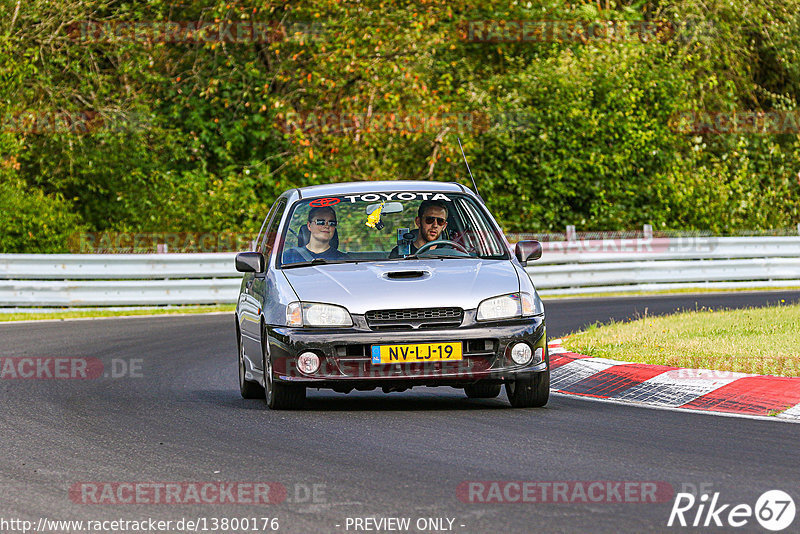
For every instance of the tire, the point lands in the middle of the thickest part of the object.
(529, 391)
(248, 389)
(482, 391)
(279, 396)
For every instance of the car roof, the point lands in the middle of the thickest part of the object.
(379, 186)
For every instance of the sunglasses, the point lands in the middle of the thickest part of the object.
(439, 220)
(323, 222)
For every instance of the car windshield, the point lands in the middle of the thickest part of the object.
(388, 226)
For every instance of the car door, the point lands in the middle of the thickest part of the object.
(247, 306)
(255, 292)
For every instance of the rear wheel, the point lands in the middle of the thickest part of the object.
(248, 389)
(482, 391)
(279, 396)
(529, 391)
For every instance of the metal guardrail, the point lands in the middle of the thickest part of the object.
(117, 279)
(619, 265)
(115, 266)
(566, 267)
(118, 292)
(673, 248)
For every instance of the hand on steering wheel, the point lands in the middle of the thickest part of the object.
(430, 244)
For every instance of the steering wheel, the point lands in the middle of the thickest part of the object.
(430, 244)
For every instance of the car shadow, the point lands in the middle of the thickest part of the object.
(370, 401)
(361, 401)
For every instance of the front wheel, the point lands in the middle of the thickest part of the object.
(529, 391)
(280, 396)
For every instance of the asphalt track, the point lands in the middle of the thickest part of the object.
(370, 454)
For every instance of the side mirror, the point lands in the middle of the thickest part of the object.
(528, 250)
(250, 262)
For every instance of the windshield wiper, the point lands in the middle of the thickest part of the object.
(315, 261)
(322, 261)
(427, 256)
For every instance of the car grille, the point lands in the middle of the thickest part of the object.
(412, 319)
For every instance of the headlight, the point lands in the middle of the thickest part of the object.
(510, 306)
(503, 307)
(316, 314)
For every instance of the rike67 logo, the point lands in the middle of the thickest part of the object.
(774, 510)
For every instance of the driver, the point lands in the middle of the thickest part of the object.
(431, 221)
(321, 226)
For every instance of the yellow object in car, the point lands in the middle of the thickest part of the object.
(375, 217)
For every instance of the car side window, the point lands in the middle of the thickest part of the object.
(480, 235)
(272, 229)
(260, 239)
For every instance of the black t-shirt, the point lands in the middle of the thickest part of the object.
(300, 254)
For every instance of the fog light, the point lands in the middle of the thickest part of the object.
(308, 363)
(521, 353)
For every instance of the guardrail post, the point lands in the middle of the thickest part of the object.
(161, 248)
(648, 231)
(571, 233)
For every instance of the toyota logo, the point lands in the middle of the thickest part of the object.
(324, 202)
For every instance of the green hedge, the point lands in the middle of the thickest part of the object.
(192, 137)
(33, 222)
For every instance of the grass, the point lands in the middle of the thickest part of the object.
(101, 312)
(753, 340)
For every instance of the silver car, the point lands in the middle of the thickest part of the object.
(388, 285)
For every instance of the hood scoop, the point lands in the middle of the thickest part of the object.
(407, 275)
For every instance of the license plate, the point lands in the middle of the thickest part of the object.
(420, 352)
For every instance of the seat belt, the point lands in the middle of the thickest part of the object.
(304, 252)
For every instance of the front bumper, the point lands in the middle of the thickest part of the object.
(345, 361)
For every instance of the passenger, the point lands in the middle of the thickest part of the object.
(431, 221)
(321, 229)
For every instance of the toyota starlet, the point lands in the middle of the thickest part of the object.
(388, 285)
